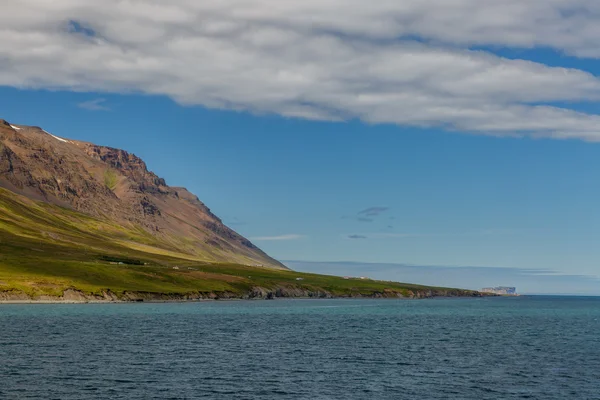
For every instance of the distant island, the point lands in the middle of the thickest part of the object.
(502, 290)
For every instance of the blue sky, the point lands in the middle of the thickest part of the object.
(469, 143)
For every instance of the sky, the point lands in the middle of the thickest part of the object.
(441, 142)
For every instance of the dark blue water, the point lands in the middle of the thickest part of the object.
(506, 348)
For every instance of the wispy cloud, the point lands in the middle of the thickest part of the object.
(368, 214)
(396, 235)
(383, 235)
(405, 235)
(268, 56)
(277, 238)
(357, 237)
(94, 105)
(373, 211)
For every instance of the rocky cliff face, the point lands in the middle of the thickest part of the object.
(113, 184)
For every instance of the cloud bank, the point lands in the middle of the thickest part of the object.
(407, 62)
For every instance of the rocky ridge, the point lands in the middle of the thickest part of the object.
(115, 185)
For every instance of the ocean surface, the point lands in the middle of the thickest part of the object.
(494, 348)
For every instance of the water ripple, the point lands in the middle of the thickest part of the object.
(522, 348)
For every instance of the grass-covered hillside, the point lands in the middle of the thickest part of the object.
(46, 250)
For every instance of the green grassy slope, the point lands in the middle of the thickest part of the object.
(45, 249)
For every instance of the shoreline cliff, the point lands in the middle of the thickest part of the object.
(75, 296)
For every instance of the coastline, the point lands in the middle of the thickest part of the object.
(75, 296)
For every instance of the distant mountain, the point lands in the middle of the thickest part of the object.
(115, 187)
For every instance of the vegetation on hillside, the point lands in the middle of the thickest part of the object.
(110, 179)
(45, 250)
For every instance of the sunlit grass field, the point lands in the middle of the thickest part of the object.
(45, 249)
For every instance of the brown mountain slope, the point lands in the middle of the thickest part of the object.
(115, 185)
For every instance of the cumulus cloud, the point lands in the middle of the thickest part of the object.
(319, 59)
(94, 105)
(277, 238)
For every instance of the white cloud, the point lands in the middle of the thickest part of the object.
(277, 238)
(319, 59)
(94, 105)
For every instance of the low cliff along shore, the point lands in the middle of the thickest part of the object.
(257, 293)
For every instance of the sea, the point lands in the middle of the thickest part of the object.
(528, 347)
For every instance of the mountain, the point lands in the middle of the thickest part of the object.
(82, 222)
(114, 185)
